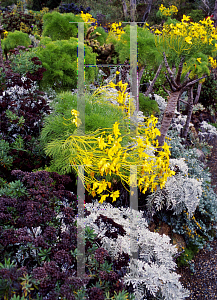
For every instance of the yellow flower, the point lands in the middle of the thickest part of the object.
(5, 33)
(140, 142)
(110, 139)
(188, 40)
(95, 185)
(103, 198)
(93, 193)
(102, 187)
(185, 18)
(210, 41)
(199, 59)
(117, 72)
(116, 130)
(112, 85)
(157, 31)
(102, 145)
(115, 195)
(87, 161)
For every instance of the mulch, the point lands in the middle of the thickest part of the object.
(202, 284)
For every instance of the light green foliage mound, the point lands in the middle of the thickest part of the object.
(59, 58)
(57, 26)
(147, 51)
(101, 35)
(98, 114)
(14, 39)
(148, 106)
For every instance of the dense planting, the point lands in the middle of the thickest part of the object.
(38, 238)
(41, 146)
(22, 108)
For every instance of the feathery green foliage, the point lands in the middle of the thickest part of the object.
(147, 51)
(98, 114)
(57, 26)
(147, 106)
(59, 58)
(102, 37)
(14, 39)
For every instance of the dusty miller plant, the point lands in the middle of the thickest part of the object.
(155, 261)
(179, 192)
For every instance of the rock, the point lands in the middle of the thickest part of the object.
(179, 241)
(152, 226)
(201, 155)
(164, 229)
(176, 239)
(194, 132)
(200, 116)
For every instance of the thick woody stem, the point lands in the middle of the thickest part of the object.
(178, 77)
(169, 71)
(190, 110)
(198, 93)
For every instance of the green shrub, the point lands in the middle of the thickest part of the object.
(98, 114)
(21, 63)
(147, 106)
(5, 159)
(14, 39)
(57, 26)
(102, 37)
(187, 255)
(14, 189)
(196, 15)
(59, 58)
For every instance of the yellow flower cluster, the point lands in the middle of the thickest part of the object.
(108, 156)
(188, 230)
(24, 27)
(5, 34)
(123, 98)
(88, 18)
(185, 37)
(75, 114)
(104, 153)
(39, 14)
(116, 30)
(212, 62)
(168, 11)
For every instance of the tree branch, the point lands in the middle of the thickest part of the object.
(172, 88)
(169, 71)
(125, 9)
(194, 81)
(178, 77)
(198, 93)
(149, 90)
(186, 79)
(168, 92)
(147, 11)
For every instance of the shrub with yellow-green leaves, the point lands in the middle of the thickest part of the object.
(106, 152)
(59, 58)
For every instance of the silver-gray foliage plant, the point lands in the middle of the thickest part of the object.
(155, 262)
